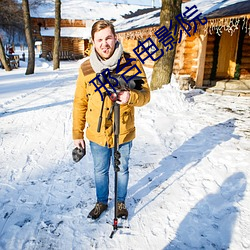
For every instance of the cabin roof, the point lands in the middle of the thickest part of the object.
(140, 21)
(77, 32)
(236, 9)
(85, 10)
(209, 8)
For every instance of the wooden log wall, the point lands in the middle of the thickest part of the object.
(50, 22)
(179, 57)
(190, 57)
(73, 45)
(130, 40)
(185, 62)
(245, 61)
(66, 44)
(79, 46)
(130, 44)
(209, 57)
(47, 45)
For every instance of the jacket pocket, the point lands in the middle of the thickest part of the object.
(126, 120)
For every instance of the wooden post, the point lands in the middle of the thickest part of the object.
(201, 60)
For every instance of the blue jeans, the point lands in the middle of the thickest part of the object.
(102, 158)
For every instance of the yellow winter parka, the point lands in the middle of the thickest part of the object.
(87, 106)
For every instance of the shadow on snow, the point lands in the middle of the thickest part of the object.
(210, 223)
(190, 153)
(23, 110)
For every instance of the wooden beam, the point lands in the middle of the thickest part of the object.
(201, 60)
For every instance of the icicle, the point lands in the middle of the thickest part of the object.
(247, 25)
(237, 21)
(225, 24)
(233, 25)
(243, 23)
(219, 30)
(228, 26)
(205, 30)
(211, 27)
(248, 28)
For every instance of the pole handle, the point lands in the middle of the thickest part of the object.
(99, 124)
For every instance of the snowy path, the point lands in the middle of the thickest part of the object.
(189, 170)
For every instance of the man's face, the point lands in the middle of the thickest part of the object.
(104, 42)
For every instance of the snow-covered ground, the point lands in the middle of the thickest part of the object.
(189, 170)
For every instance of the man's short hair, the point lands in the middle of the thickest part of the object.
(100, 25)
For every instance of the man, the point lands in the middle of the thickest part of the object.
(106, 53)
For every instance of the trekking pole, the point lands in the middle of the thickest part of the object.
(117, 156)
(100, 117)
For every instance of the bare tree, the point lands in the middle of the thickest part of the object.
(11, 16)
(163, 67)
(28, 33)
(11, 24)
(56, 59)
(36, 3)
(3, 57)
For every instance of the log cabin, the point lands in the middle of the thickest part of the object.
(74, 37)
(77, 17)
(216, 53)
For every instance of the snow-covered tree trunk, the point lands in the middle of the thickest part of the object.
(163, 67)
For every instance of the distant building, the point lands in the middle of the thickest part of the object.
(77, 19)
(74, 36)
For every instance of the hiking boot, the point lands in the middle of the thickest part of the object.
(97, 210)
(122, 211)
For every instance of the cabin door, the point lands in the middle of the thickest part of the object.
(227, 55)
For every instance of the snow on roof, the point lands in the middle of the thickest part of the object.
(80, 32)
(85, 10)
(239, 8)
(145, 20)
(207, 7)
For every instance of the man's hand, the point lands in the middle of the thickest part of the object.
(123, 97)
(79, 151)
(79, 143)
